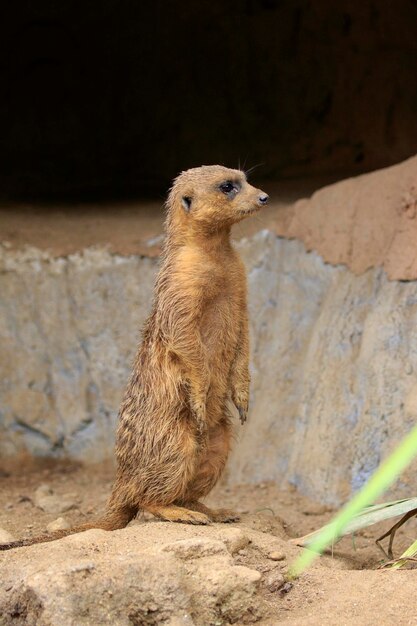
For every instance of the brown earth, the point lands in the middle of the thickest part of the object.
(343, 588)
(363, 222)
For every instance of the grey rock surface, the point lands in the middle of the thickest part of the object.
(69, 329)
(334, 361)
(334, 364)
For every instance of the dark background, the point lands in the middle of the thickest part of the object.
(113, 98)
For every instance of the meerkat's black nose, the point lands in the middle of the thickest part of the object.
(263, 199)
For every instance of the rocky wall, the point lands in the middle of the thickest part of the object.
(334, 361)
(69, 330)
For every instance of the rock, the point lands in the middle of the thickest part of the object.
(147, 574)
(59, 524)
(45, 499)
(286, 587)
(274, 580)
(343, 344)
(5, 536)
(195, 548)
(66, 365)
(276, 556)
(229, 591)
(234, 538)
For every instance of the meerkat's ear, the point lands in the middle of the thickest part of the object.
(186, 203)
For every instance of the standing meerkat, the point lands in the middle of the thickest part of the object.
(174, 430)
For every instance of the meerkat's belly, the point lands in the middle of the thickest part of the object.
(220, 329)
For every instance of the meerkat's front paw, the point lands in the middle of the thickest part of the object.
(241, 402)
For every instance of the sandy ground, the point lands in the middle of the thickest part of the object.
(343, 588)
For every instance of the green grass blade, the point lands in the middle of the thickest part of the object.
(369, 516)
(382, 478)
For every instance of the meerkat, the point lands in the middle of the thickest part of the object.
(174, 429)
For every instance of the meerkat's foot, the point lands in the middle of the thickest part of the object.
(180, 514)
(215, 515)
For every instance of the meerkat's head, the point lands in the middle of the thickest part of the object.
(213, 197)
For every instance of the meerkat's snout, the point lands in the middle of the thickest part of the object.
(263, 199)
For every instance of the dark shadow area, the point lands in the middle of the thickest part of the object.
(111, 99)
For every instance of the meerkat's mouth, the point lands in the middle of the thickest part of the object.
(249, 211)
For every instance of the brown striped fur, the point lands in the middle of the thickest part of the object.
(174, 430)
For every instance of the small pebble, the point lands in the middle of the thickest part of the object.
(5, 536)
(276, 556)
(274, 580)
(59, 524)
(286, 588)
(44, 498)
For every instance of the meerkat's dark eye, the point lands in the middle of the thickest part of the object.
(228, 187)
(186, 203)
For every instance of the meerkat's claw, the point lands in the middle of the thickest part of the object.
(243, 416)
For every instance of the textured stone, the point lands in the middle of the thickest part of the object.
(234, 538)
(45, 499)
(69, 329)
(195, 548)
(274, 580)
(135, 577)
(331, 395)
(276, 556)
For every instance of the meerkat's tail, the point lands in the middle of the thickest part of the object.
(112, 520)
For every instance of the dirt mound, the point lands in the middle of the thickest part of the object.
(148, 574)
(362, 222)
(177, 575)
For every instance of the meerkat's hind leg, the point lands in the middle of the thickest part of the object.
(215, 515)
(173, 513)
